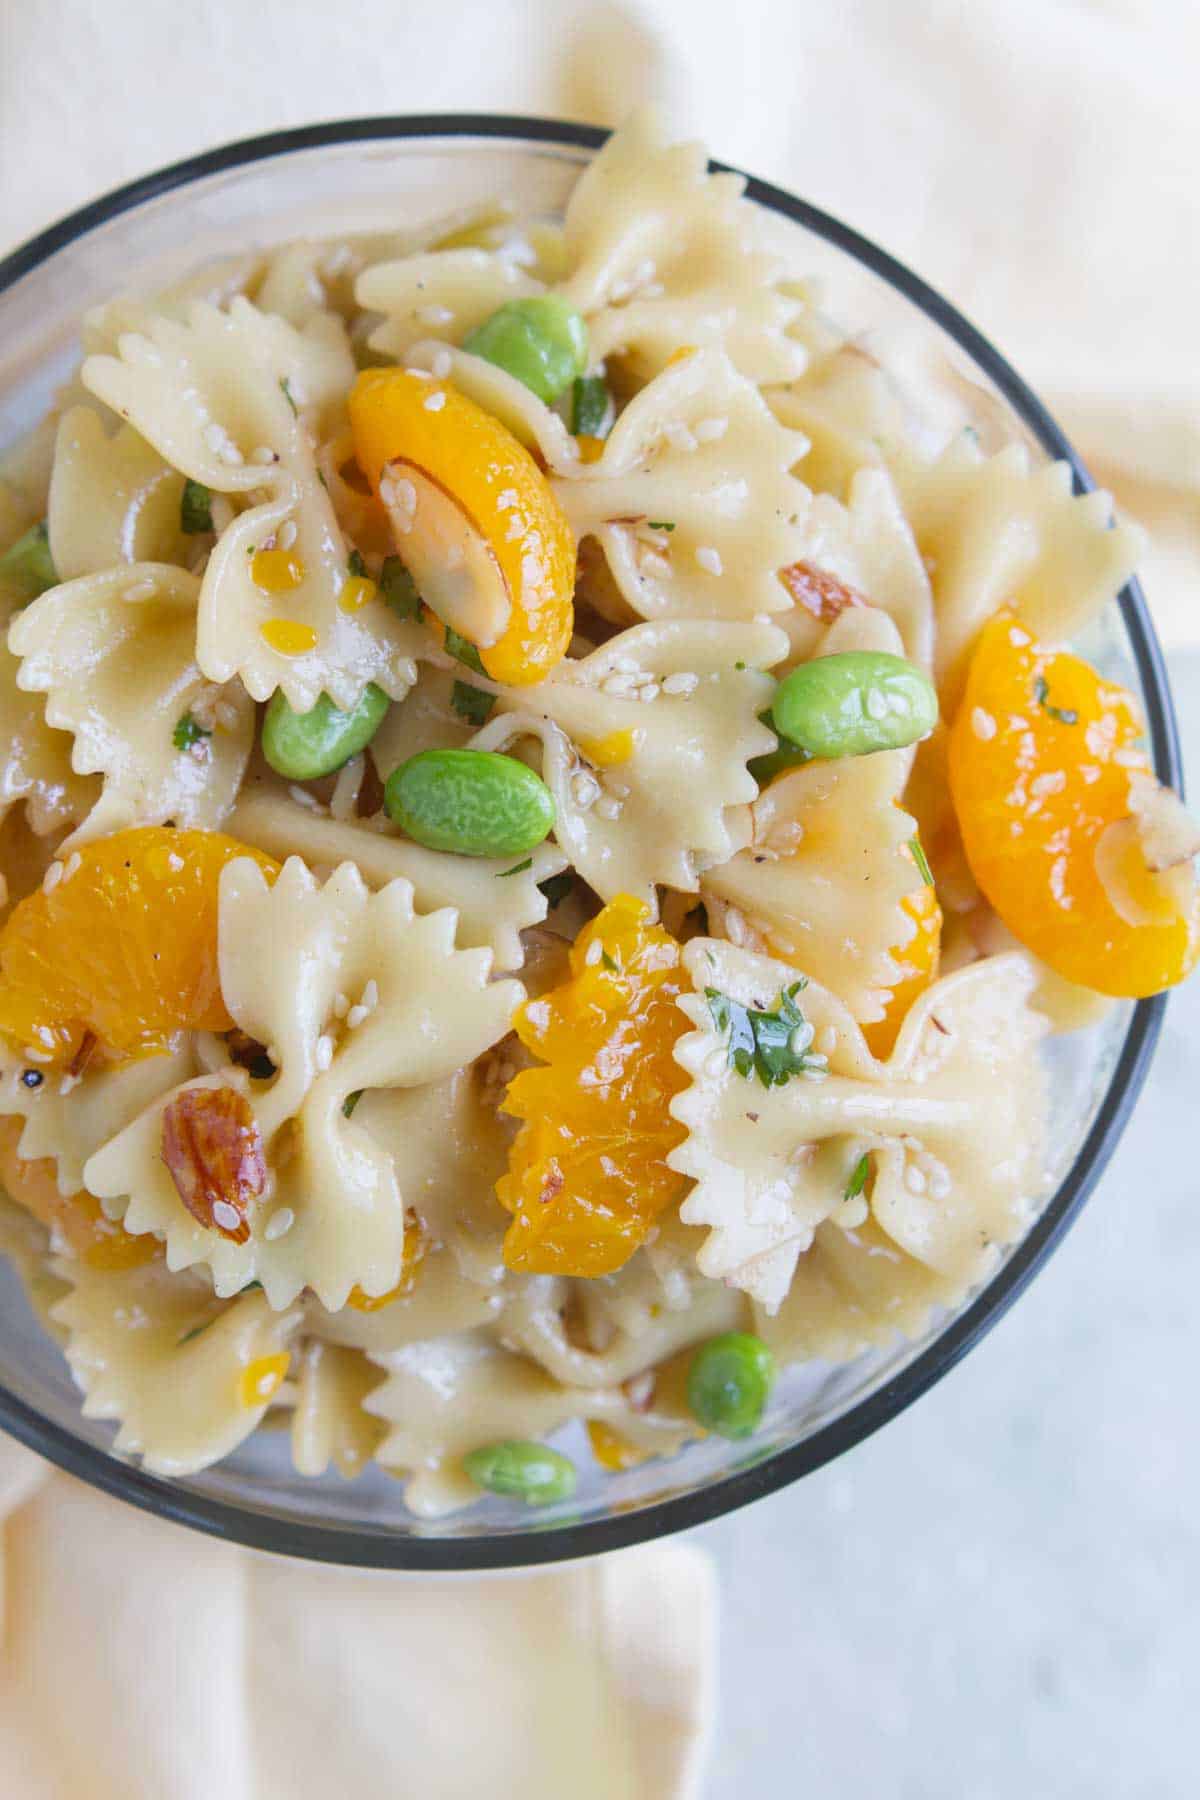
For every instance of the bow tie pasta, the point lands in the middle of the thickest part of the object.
(573, 598)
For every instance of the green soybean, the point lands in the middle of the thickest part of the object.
(305, 745)
(471, 802)
(522, 1471)
(542, 341)
(28, 566)
(854, 703)
(729, 1382)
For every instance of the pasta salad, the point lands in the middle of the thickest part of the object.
(544, 827)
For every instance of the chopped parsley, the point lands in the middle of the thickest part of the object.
(463, 650)
(355, 564)
(471, 703)
(517, 869)
(922, 861)
(613, 967)
(285, 388)
(556, 887)
(27, 566)
(858, 1177)
(739, 666)
(194, 1333)
(772, 1045)
(591, 406)
(187, 733)
(399, 589)
(350, 1102)
(661, 524)
(1066, 715)
(195, 508)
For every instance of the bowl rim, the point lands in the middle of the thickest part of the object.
(382, 1547)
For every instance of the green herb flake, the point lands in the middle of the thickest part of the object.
(517, 869)
(591, 406)
(356, 565)
(463, 651)
(1066, 715)
(285, 388)
(918, 855)
(471, 703)
(772, 1045)
(858, 1177)
(556, 887)
(399, 589)
(187, 734)
(195, 508)
(610, 963)
(195, 1332)
(661, 524)
(350, 1102)
(27, 565)
(739, 666)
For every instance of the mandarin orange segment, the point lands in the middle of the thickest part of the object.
(917, 960)
(475, 520)
(100, 1242)
(1042, 758)
(587, 1173)
(120, 952)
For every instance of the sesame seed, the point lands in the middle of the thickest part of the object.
(584, 789)
(324, 1053)
(681, 684)
(264, 454)
(435, 402)
(52, 877)
(341, 1006)
(355, 1017)
(225, 1216)
(302, 797)
(230, 455)
(72, 863)
(370, 995)
(648, 691)
(279, 1224)
(287, 534)
(595, 951)
(709, 559)
(982, 723)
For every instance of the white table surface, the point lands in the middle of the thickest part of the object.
(995, 1597)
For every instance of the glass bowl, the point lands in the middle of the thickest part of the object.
(370, 174)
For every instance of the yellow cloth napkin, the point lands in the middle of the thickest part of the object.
(142, 1662)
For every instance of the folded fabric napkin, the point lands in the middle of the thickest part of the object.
(143, 1662)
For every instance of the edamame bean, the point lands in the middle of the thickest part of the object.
(28, 566)
(542, 341)
(729, 1381)
(472, 802)
(522, 1471)
(305, 745)
(854, 703)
